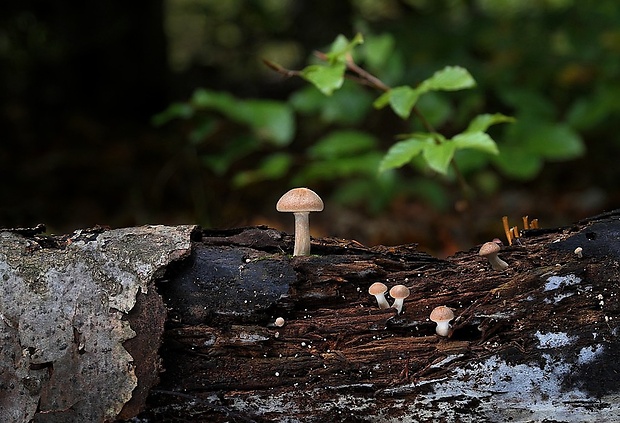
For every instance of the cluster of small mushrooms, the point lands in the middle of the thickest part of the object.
(440, 315)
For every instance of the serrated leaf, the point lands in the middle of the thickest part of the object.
(402, 99)
(438, 156)
(480, 141)
(402, 152)
(482, 122)
(450, 78)
(326, 78)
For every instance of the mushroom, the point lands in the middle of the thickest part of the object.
(279, 322)
(378, 290)
(300, 202)
(579, 252)
(399, 293)
(442, 316)
(490, 250)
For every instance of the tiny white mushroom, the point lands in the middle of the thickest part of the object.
(279, 322)
(379, 289)
(399, 293)
(490, 250)
(442, 316)
(300, 202)
(579, 252)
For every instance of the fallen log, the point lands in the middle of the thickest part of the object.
(535, 342)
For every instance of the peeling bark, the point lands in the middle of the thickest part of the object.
(64, 311)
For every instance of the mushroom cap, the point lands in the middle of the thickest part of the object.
(489, 248)
(279, 322)
(442, 314)
(300, 200)
(377, 288)
(399, 292)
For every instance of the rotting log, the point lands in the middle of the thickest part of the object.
(536, 342)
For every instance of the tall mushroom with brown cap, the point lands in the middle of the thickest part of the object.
(490, 250)
(379, 289)
(300, 202)
(399, 293)
(442, 316)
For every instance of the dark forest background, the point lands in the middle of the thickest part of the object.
(81, 82)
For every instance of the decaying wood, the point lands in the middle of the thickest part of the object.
(535, 342)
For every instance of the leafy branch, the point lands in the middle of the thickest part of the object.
(436, 150)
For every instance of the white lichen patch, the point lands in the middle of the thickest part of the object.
(64, 320)
(556, 282)
(553, 339)
(589, 354)
(493, 390)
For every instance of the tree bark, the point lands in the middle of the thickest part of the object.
(535, 342)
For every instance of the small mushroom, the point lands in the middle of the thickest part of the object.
(279, 322)
(442, 316)
(378, 290)
(300, 202)
(490, 250)
(399, 293)
(579, 252)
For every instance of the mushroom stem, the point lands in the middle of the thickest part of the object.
(302, 234)
(398, 304)
(382, 302)
(497, 263)
(443, 328)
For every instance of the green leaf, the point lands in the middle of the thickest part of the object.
(435, 108)
(438, 156)
(402, 152)
(342, 46)
(174, 111)
(326, 78)
(554, 141)
(348, 106)
(271, 120)
(517, 163)
(482, 122)
(480, 141)
(272, 167)
(378, 49)
(235, 149)
(383, 100)
(340, 167)
(450, 78)
(341, 144)
(402, 100)
(207, 99)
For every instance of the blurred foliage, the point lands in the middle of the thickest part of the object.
(350, 156)
(79, 83)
